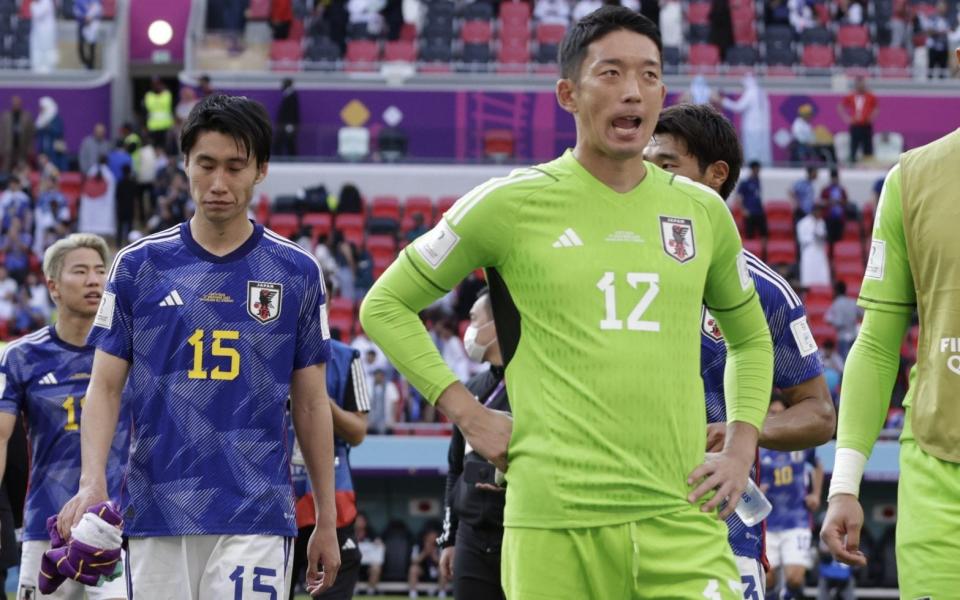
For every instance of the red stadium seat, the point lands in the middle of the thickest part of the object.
(341, 324)
(382, 247)
(385, 207)
(781, 252)
(109, 8)
(703, 57)
(400, 51)
(778, 208)
(744, 32)
(847, 268)
(340, 307)
(498, 143)
(893, 61)
(848, 250)
(868, 211)
(820, 293)
(258, 10)
(823, 332)
(380, 265)
(408, 32)
(419, 204)
(514, 15)
(698, 13)
(853, 36)
(780, 229)
(817, 56)
(548, 33)
(362, 55)
(816, 311)
(476, 32)
(296, 30)
(351, 225)
(444, 204)
(285, 55)
(319, 224)
(513, 59)
(755, 247)
(284, 224)
(851, 231)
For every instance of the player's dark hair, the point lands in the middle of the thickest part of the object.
(708, 136)
(596, 25)
(239, 117)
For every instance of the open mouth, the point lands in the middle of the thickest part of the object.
(95, 296)
(627, 124)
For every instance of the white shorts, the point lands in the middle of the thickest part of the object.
(789, 547)
(753, 578)
(201, 567)
(69, 589)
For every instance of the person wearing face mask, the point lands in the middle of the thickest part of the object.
(473, 515)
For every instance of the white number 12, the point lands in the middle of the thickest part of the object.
(607, 286)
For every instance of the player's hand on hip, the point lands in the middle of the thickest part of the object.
(841, 529)
(488, 432)
(323, 560)
(446, 562)
(812, 501)
(716, 435)
(724, 473)
(72, 511)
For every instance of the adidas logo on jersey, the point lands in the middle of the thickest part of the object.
(49, 379)
(172, 299)
(568, 239)
(349, 544)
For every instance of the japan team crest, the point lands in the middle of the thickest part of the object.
(709, 326)
(677, 237)
(263, 300)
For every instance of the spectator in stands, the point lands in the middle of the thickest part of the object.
(671, 24)
(345, 254)
(898, 24)
(43, 36)
(364, 277)
(844, 315)
(801, 15)
(188, 99)
(46, 168)
(49, 127)
(937, 28)
(39, 298)
(93, 147)
(281, 17)
(552, 12)
(14, 202)
(803, 194)
(834, 196)
(584, 7)
(51, 212)
(812, 240)
(146, 173)
(384, 400)
(26, 317)
(849, 12)
(801, 148)
(16, 250)
(87, 13)
(754, 106)
(119, 157)
(8, 294)
(451, 348)
(127, 189)
(158, 104)
(371, 553)
(97, 213)
(288, 120)
(366, 13)
(832, 367)
(750, 198)
(699, 92)
(721, 26)
(204, 86)
(858, 109)
(425, 562)
(776, 12)
(16, 135)
(325, 257)
(419, 228)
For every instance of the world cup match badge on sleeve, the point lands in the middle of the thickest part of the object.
(436, 245)
(104, 316)
(677, 237)
(878, 255)
(264, 300)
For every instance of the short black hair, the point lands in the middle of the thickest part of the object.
(840, 288)
(708, 135)
(596, 25)
(754, 164)
(239, 117)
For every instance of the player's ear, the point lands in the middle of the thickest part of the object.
(52, 288)
(261, 173)
(717, 173)
(566, 95)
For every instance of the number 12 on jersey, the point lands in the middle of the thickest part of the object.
(607, 285)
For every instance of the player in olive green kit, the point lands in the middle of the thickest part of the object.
(914, 265)
(597, 264)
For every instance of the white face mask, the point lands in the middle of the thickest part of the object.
(474, 350)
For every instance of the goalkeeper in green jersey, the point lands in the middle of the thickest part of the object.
(598, 264)
(914, 264)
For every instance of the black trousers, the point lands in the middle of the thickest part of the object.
(476, 564)
(349, 563)
(861, 137)
(85, 50)
(755, 224)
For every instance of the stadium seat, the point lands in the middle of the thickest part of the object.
(408, 32)
(781, 252)
(867, 213)
(351, 226)
(851, 231)
(817, 57)
(704, 57)
(285, 55)
(780, 36)
(419, 204)
(845, 251)
(476, 57)
(359, 31)
(742, 56)
(513, 59)
(744, 32)
(893, 61)
(823, 332)
(498, 144)
(778, 208)
(435, 55)
(780, 229)
(476, 32)
(385, 207)
(477, 11)
(698, 13)
(671, 60)
(847, 269)
(285, 224)
(339, 307)
(755, 247)
(322, 54)
(514, 16)
(108, 9)
(400, 51)
(318, 223)
(382, 245)
(285, 203)
(816, 36)
(362, 55)
(549, 33)
(443, 205)
(816, 311)
(856, 58)
(438, 28)
(380, 264)
(819, 293)
(853, 36)
(781, 59)
(698, 34)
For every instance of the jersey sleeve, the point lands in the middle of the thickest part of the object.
(313, 330)
(887, 281)
(11, 388)
(112, 329)
(795, 356)
(728, 283)
(355, 396)
(476, 232)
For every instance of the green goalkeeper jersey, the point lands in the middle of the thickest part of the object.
(597, 300)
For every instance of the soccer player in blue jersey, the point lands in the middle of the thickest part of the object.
(783, 479)
(44, 375)
(697, 142)
(211, 324)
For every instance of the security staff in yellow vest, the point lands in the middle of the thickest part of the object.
(914, 265)
(158, 103)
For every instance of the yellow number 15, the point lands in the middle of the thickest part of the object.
(217, 349)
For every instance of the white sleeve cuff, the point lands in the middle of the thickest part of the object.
(848, 469)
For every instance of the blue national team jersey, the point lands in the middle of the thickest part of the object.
(213, 343)
(46, 378)
(785, 474)
(795, 360)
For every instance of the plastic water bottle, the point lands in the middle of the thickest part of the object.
(753, 506)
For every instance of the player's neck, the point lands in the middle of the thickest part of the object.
(619, 175)
(220, 239)
(72, 327)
